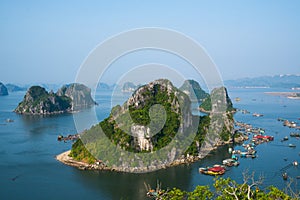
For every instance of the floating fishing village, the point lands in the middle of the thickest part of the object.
(255, 136)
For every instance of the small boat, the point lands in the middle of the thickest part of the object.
(295, 163)
(60, 137)
(8, 120)
(237, 99)
(230, 162)
(213, 171)
(285, 176)
(236, 151)
(292, 145)
(263, 137)
(293, 134)
(285, 138)
(234, 157)
(243, 154)
(257, 115)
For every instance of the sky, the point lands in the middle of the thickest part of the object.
(47, 41)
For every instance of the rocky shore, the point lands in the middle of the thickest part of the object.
(68, 160)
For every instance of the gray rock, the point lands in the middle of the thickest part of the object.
(79, 94)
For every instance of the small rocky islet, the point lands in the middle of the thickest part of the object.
(69, 98)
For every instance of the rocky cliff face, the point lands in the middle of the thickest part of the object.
(79, 94)
(141, 137)
(148, 109)
(69, 98)
(220, 109)
(38, 101)
(217, 101)
(194, 91)
(3, 90)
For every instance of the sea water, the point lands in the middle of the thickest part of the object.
(28, 145)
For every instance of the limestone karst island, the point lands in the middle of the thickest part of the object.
(147, 135)
(72, 97)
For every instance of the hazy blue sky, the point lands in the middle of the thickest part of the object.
(47, 41)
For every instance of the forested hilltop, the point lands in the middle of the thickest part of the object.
(136, 127)
(67, 99)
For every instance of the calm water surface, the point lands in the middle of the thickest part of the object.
(28, 169)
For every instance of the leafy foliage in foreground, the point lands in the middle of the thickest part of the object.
(227, 189)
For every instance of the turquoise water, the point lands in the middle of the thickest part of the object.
(28, 169)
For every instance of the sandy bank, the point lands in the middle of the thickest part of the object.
(66, 159)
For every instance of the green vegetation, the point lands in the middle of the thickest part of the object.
(206, 104)
(204, 122)
(137, 111)
(38, 101)
(68, 98)
(218, 101)
(140, 114)
(80, 153)
(230, 190)
(193, 90)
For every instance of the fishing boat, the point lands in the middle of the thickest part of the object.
(281, 119)
(295, 163)
(230, 162)
(285, 138)
(237, 99)
(8, 120)
(213, 171)
(294, 134)
(285, 176)
(257, 115)
(292, 145)
(263, 137)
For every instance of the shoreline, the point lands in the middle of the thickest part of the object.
(67, 160)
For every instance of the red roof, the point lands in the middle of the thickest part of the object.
(216, 169)
(263, 137)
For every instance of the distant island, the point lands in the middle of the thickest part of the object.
(146, 138)
(3, 90)
(278, 81)
(14, 88)
(68, 98)
(104, 86)
(129, 87)
(290, 95)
